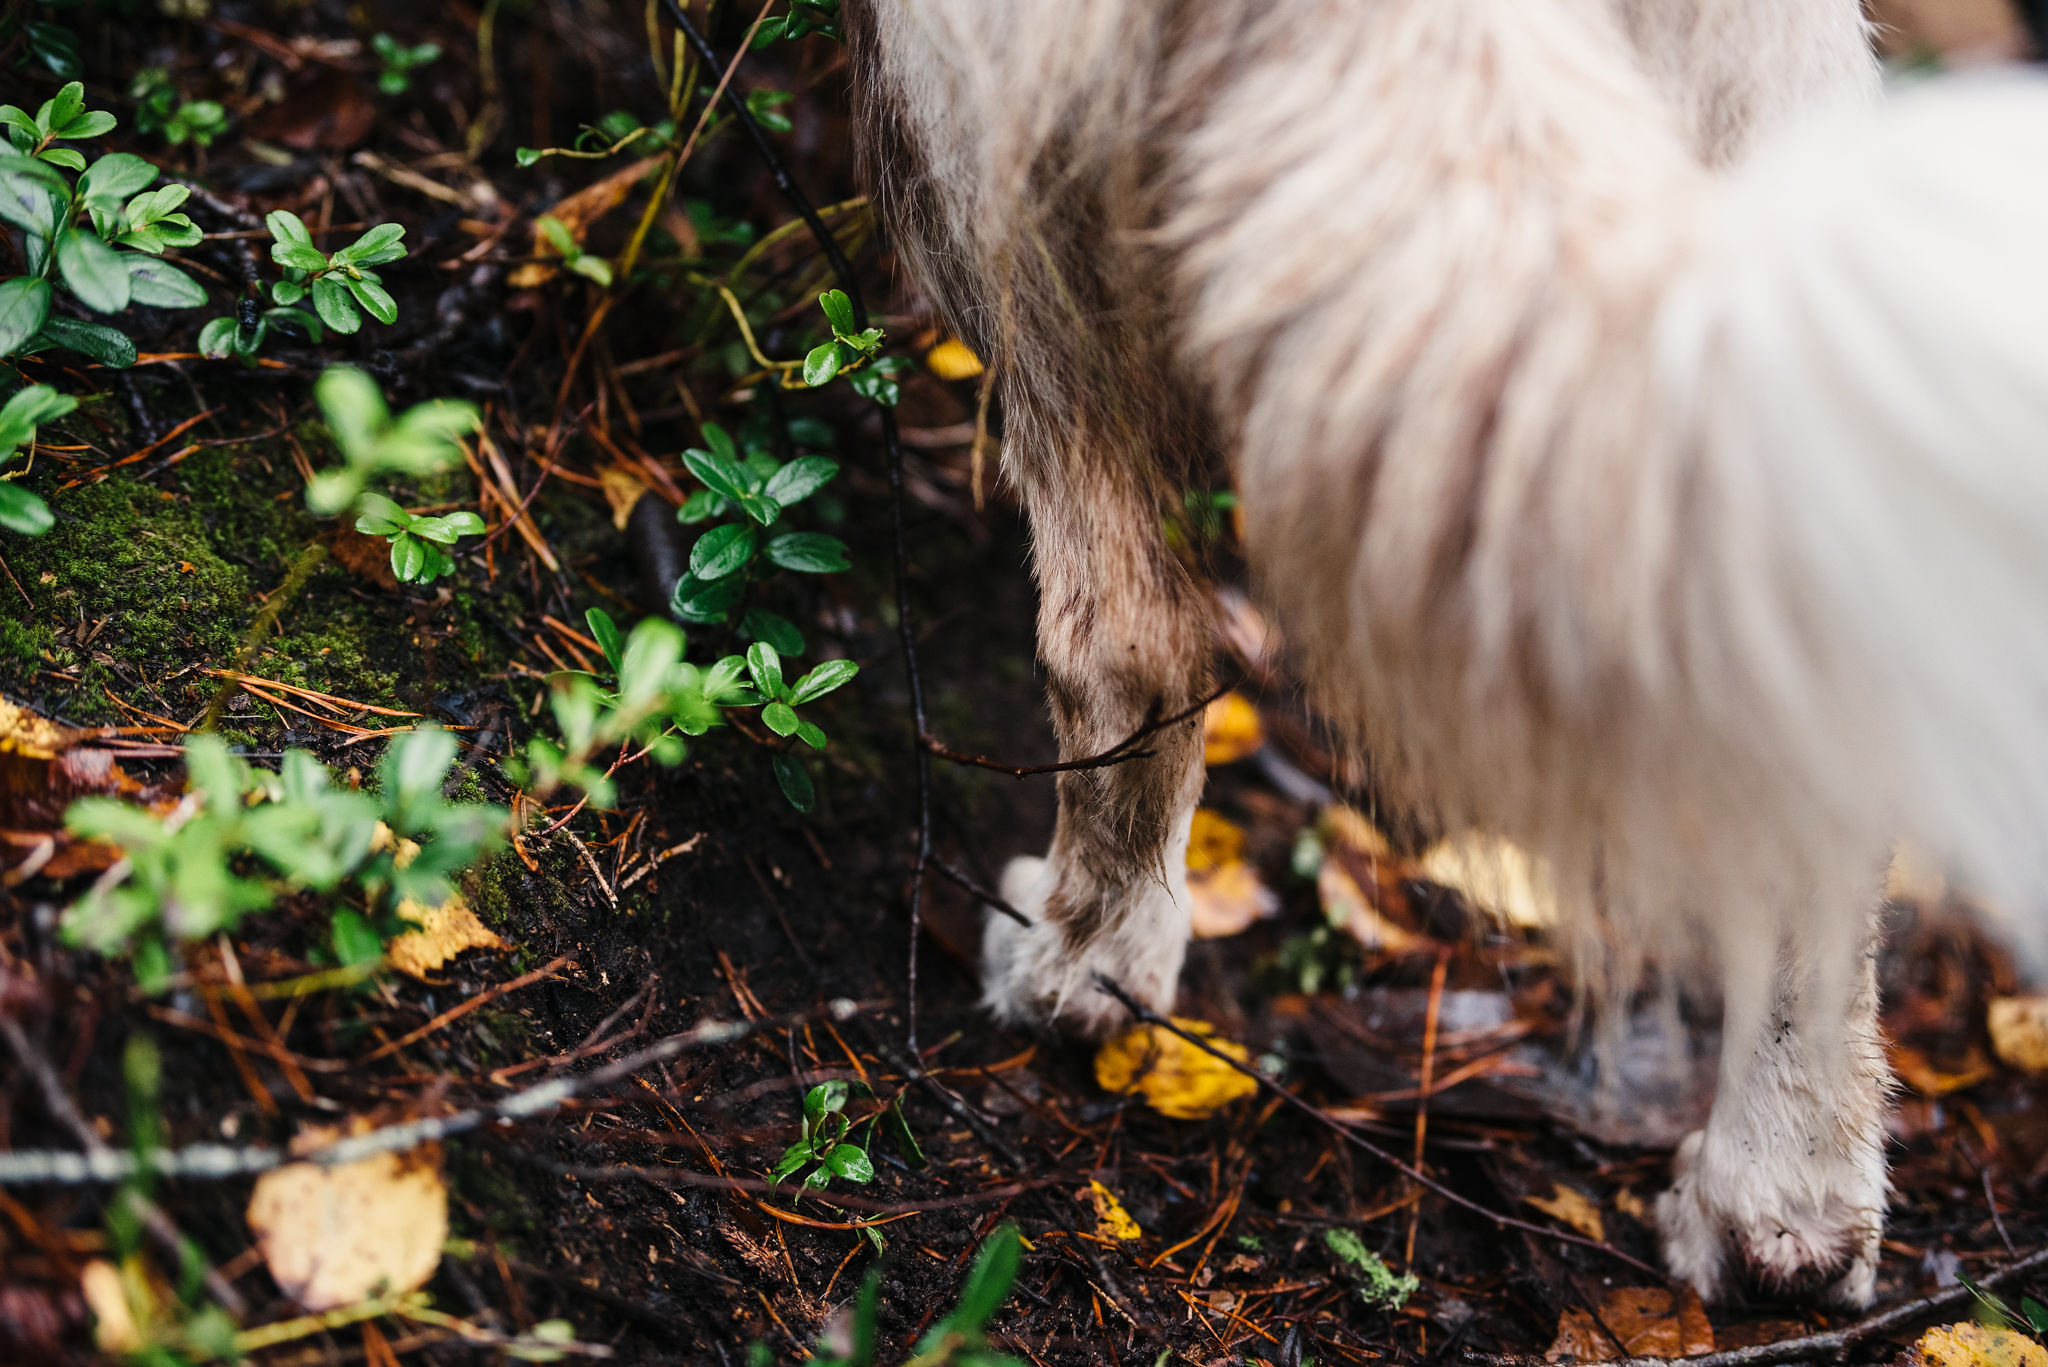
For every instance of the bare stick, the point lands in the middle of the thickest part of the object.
(219, 1161)
(1119, 753)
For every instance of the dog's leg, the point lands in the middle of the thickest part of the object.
(1124, 637)
(1785, 1187)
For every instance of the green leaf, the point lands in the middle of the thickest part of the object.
(851, 1162)
(91, 124)
(448, 527)
(108, 346)
(761, 625)
(331, 302)
(606, 633)
(720, 472)
(793, 1157)
(25, 202)
(821, 364)
(988, 1285)
(898, 1130)
(778, 717)
(114, 178)
(809, 553)
(24, 304)
(2036, 1315)
(838, 310)
(822, 1100)
(28, 409)
(650, 655)
(21, 511)
(593, 268)
(720, 442)
(376, 301)
(795, 783)
(764, 666)
(354, 942)
(299, 255)
(298, 318)
(374, 248)
(761, 508)
(377, 515)
(94, 271)
(285, 226)
(705, 601)
(61, 108)
(408, 557)
(701, 506)
(722, 551)
(801, 478)
(162, 285)
(287, 292)
(822, 680)
(64, 157)
(875, 385)
(810, 734)
(14, 116)
(217, 338)
(558, 235)
(523, 157)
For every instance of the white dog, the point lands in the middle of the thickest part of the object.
(1642, 438)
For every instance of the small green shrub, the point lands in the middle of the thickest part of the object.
(397, 61)
(341, 286)
(160, 110)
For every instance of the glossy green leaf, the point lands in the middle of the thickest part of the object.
(822, 680)
(162, 285)
(821, 364)
(838, 310)
(795, 783)
(808, 552)
(606, 633)
(108, 346)
(778, 631)
(377, 515)
(764, 667)
(778, 717)
(375, 299)
(801, 478)
(94, 271)
(24, 304)
(22, 511)
(332, 302)
(722, 551)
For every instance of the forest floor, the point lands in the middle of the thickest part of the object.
(1196, 1216)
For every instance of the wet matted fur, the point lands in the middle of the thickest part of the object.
(1640, 435)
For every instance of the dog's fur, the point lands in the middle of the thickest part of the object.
(1642, 440)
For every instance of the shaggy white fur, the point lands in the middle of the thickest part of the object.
(1640, 438)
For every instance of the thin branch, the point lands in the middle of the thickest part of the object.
(992, 900)
(24, 1167)
(1814, 1347)
(1119, 753)
(1324, 1118)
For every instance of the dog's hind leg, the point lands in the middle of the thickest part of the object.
(1123, 633)
(1785, 1188)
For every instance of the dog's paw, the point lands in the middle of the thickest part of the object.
(1044, 973)
(1804, 1224)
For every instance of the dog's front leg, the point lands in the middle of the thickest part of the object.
(1785, 1188)
(1124, 637)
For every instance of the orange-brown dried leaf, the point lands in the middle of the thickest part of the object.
(1650, 1322)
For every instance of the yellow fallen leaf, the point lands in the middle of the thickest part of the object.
(1493, 874)
(1112, 1221)
(1632, 1205)
(384, 838)
(2019, 1032)
(1346, 907)
(1920, 1073)
(953, 359)
(623, 488)
(333, 1236)
(1352, 828)
(106, 1294)
(1650, 1322)
(1975, 1345)
(1214, 841)
(444, 932)
(1227, 901)
(1175, 1078)
(1573, 1209)
(1231, 730)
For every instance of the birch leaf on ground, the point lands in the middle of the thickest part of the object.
(333, 1236)
(1494, 874)
(1973, 1345)
(1231, 730)
(444, 932)
(1224, 892)
(1112, 1221)
(953, 359)
(1175, 1078)
(1573, 1208)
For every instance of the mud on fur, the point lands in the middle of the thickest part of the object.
(1639, 430)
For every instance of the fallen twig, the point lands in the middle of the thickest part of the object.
(214, 1162)
(1122, 752)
